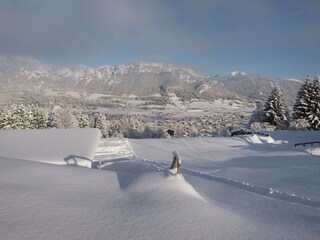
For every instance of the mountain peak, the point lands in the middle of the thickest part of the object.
(238, 73)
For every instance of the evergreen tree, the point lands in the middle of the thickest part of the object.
(274, 111)
(17, 117)
(100, 122)
(38, 117)
(5, 119)
(302, 106)
(83, 120)
(50, 122)
(313, 115)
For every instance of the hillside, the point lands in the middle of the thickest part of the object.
(140, 79)
(259, 87)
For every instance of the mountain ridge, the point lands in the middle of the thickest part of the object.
(141, 79)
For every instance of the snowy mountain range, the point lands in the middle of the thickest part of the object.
(140, 79)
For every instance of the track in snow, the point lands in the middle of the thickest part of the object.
(268, 192)
(263, 191)
(118, 149)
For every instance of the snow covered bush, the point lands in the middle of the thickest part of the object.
(299, 124)
(262, 126)
(127, 126)
(63, 118)
(257, 115)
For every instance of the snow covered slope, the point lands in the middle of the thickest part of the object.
(231, 188)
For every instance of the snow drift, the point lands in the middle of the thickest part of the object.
(230, 188)
(56, 146)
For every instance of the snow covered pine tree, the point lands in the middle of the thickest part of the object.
(314, 112)
(307, 106)
(302, 105)
(38, 117)
(83, 120)
(100, 122)
(274, 111)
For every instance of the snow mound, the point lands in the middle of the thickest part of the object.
(260, 139)
(162, 184)
(253, 139)
(267, 139)
(314, 151)
(55, 146)
(133, 174)
(270, 140)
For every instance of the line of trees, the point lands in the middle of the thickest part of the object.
(305, 113)
(35, 117)
(131, 126)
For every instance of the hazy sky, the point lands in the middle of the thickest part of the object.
(269, 37)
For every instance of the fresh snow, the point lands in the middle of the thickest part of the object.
(247, 187)
(56, 146)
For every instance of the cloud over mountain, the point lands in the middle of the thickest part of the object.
(210, 36)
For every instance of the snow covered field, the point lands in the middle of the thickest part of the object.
(248, 187)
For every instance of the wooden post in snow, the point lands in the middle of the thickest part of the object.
(179, 167)
(176, 163)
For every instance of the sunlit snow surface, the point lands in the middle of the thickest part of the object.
(248, 187)
(56, 146)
